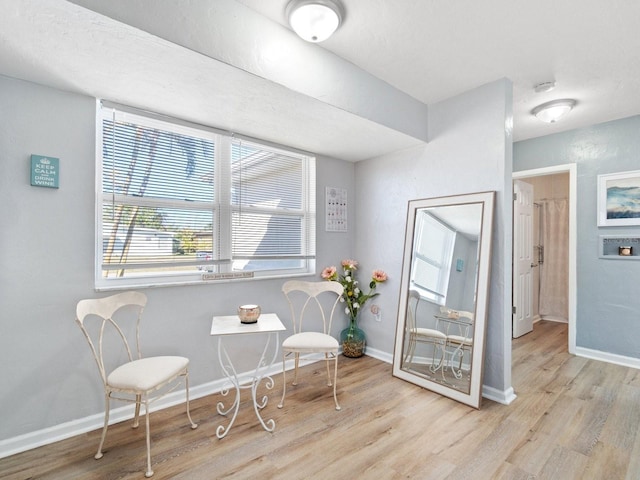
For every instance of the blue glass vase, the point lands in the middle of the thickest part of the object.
(353, 339)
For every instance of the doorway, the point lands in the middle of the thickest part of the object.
(555, 197)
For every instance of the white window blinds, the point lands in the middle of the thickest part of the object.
(434, 243)
(271, 223)
(182, 204)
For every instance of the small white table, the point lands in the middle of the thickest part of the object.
(268, 323)
(457, 342)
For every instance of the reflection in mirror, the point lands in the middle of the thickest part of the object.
(440, 333)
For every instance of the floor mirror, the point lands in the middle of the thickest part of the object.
(440, 334)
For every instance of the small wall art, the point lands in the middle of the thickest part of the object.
(45, 171)
(336, 209)
(619, 199)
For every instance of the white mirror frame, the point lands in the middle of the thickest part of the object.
(487, 200)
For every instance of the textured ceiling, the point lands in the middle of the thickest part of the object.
(433, 50)
(224, 63)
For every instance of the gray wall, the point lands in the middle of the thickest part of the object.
(469, 151)
(607, 290)
(461, 290)
(47, 247)
(47, 259)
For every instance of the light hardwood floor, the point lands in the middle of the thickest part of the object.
(573, 419)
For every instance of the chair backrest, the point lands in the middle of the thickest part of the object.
(102, 310)
(412, 310)
(310, 293)
(466, 331)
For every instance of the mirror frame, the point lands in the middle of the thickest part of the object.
(487, 200)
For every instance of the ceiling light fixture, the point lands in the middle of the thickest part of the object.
(314, 20)
(553, 111)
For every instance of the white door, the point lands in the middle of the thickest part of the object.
(522, 258)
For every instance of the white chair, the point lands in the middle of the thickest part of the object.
(429, 336)
(135, 378)
(306, 294)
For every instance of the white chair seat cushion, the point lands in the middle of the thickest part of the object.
(310, 342)
(430, 333)
(147, 373)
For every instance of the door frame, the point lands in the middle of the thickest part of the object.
(571, 168)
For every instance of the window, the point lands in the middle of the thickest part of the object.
(181, 204)
(432, 262)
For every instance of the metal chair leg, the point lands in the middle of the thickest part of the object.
(284, 380)
(335, 382)
(326, 361)
(149, 472)
(295, 371)
(186, 384)
(99, 454)
(136, 417)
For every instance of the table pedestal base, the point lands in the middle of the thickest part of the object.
(253, 384)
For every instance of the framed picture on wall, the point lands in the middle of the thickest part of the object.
(619, 199)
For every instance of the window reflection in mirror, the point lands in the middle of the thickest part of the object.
(432, 257)
(446, 254)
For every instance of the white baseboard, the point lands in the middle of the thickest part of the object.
(554, 319)
(31, 440)
(508, 396)
(505, 397)
(379, 355)
(631, 362)
(45, 436)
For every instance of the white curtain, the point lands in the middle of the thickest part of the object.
(554, 272)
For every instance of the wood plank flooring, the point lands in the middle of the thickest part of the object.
(573, 419)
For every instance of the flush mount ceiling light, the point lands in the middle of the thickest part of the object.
(314, 20)
(551, 112)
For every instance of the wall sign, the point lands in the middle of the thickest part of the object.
(336, 209)
(620, 247)
(45, 171)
